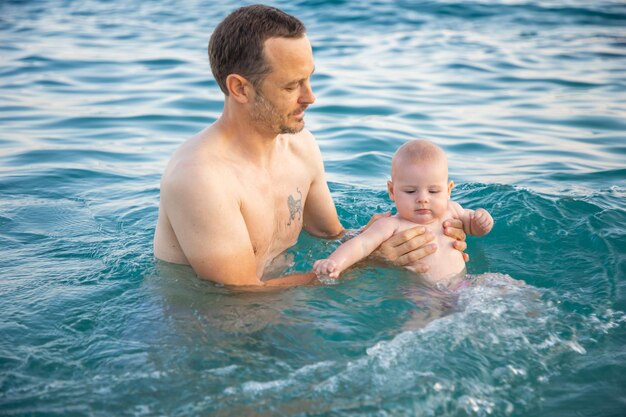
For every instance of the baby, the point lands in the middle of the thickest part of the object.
(420, 188)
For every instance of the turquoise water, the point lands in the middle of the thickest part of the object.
(528, 98)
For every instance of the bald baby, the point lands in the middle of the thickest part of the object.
(420, 189)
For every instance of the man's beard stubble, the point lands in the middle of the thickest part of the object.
(264, 113)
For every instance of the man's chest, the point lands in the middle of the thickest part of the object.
(273, 209)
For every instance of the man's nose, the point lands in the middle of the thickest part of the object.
(307, 96)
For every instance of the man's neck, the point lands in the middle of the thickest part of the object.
(245, 138)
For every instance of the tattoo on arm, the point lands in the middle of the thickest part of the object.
(295, 207)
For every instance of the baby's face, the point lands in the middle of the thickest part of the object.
(421, 191)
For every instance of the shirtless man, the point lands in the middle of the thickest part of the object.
(237, 194)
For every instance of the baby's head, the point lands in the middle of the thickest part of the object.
(419, 182)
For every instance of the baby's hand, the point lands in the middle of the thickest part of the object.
(326, 267)
(482, 222)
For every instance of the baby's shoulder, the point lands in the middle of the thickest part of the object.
(402, 224)
(454, 209)
(387, 221)
(387, 224)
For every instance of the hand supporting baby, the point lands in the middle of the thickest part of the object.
(481, 222)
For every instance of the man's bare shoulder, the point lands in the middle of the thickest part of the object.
(196, 165)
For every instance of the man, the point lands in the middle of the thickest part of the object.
(238, 193)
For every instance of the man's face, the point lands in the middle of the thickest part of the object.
(285, 93)
(421, 191)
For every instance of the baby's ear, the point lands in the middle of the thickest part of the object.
(450, 187)
(390, 190)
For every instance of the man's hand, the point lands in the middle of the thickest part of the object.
(407, 247)
(454, 229)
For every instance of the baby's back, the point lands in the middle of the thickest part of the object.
(446, 264)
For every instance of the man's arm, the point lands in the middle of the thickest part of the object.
(211, 231)
(320, 214)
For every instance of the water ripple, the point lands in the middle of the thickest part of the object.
(525, 97)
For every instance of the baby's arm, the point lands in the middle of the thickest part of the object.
(356, 248)
(475, 223)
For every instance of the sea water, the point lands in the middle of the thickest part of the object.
(527, 98)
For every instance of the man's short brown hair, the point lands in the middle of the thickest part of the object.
(236, 45)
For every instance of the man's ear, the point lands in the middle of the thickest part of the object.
(390, 190)
(450, 187)
(239, 88)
